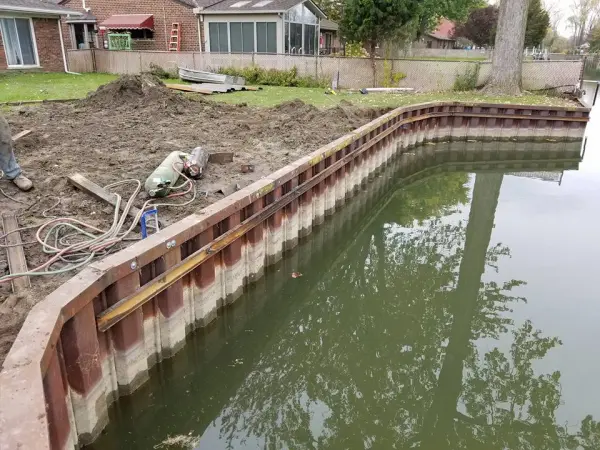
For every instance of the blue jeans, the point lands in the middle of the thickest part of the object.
(8, 163)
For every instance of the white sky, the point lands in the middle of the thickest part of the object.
(564, 9)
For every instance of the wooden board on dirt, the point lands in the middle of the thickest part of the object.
(81, 182)
(190, 88)
(15, 253)
(22, 134)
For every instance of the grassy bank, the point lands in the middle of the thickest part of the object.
(20, 86)
(17, 86)
(271, 96)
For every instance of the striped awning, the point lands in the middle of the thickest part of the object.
(129, 22)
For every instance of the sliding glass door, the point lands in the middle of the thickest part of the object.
(19, 42)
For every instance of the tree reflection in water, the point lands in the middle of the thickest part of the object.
(384, 354)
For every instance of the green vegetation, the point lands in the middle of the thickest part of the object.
(481, 24)
(467, 81)
(273, 77)
(15, 87)
(271, 96)
(391, 78)
(20, 86)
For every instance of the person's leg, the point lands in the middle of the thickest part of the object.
(8, 163)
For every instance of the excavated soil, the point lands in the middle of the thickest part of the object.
(124, 130)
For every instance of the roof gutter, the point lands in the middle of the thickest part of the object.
(243, 11)
(62, 49)
(55, 12)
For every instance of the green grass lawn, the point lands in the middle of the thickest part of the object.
(15, 86)
(19, 86)
(271, 96)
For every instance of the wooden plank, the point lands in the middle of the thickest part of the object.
(190, 88)
(100, 193)
(15, 254)
(22, 134)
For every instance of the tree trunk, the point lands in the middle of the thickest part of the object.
(508, 52)
(439, 419)
(372, 47)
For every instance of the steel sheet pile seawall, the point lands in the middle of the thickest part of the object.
(96, 336)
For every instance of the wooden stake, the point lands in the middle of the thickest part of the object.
(81, 182)
(22, 134)
(15, 253)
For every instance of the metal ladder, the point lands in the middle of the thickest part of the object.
(175, 41)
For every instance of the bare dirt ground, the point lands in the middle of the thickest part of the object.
(125, 130)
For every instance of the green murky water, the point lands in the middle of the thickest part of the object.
(456, 310)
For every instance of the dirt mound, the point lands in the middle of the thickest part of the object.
(134, 91)
(295, 107)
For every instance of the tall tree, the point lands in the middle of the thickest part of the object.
(371, 22)
(585, 15)
(538, 21)
(480, 27)
(333, 9)
(507, 63)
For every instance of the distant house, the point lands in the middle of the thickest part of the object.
(442, 37)
(30, 35)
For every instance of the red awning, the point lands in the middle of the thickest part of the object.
(129, 22)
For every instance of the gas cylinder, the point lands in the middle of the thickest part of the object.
(164, 177)
(195, 164)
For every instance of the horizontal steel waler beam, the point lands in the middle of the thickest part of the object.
(145, 293)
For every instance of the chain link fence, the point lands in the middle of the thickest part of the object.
(354, 73)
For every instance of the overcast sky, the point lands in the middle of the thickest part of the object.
(564, 8)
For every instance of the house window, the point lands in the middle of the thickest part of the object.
(141, 34)
(266, 37)
(310, 39)
(241, 35)
(19, 42)
(295, 38)
(302, 35)
(84, 35)
(217, 33)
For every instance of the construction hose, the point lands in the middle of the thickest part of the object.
(73, 243)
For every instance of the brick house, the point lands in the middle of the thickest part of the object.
(442, 37)
(149, 23)
(30, 35)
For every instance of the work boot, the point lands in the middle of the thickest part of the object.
(23, 183)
